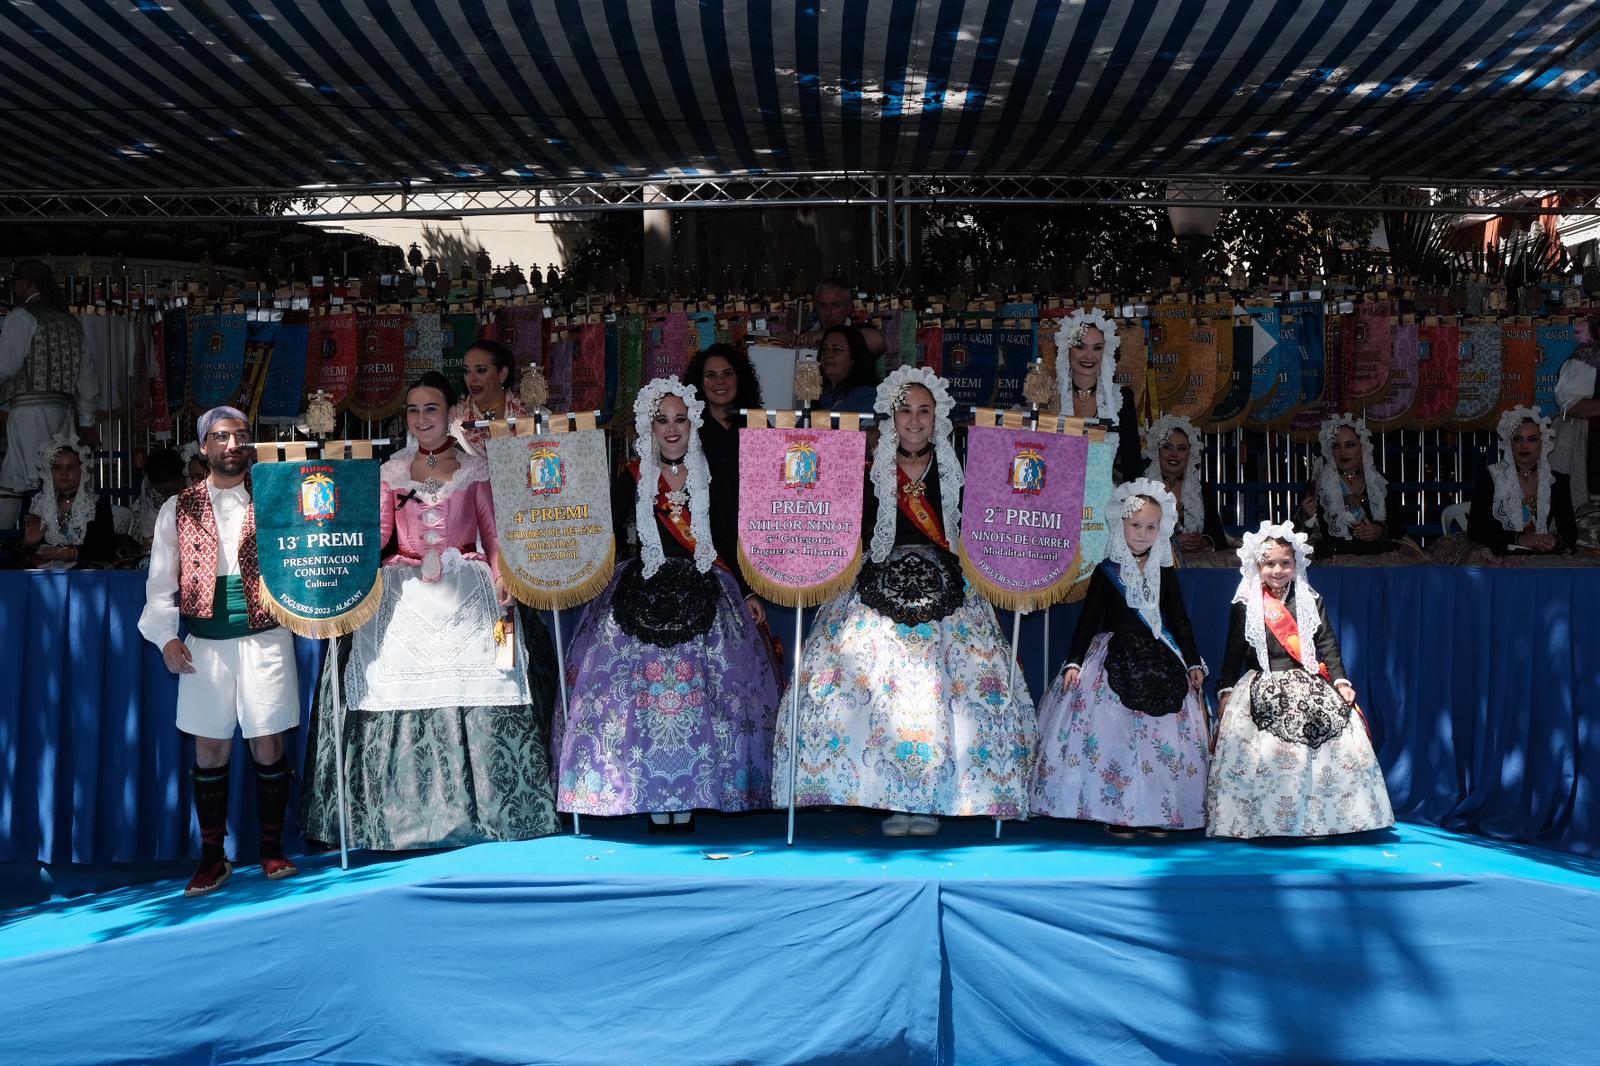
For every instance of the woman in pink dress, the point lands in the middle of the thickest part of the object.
(448, 689)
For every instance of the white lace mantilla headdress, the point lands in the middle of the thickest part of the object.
(1330, 492)
(1251, 595)
(1107, 397)
(1142, 587)
(44, 501)
(190, 452)
(884, 481)
(1507, 490)
(698, 484)
(1194, 515)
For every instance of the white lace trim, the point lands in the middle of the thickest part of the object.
(396, 472)
(1141, 584)
(885, 483)
(697, 484)
(1330, 492)
(1507, 490)
(1193, 507)
(1107, 396)
(44, 501)
(1251, 595)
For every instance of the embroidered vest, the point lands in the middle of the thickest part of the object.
(54, 355)
(197, 558)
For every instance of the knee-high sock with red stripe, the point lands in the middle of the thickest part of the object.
(211, 809)
(272, 803)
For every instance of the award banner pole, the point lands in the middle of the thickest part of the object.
(794, 716)
(561, 686)
(338, 756)
(1016, 635)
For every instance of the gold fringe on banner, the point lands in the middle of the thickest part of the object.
(1079, 590)
(544, 599)
(1008, 599)
(788, 595)
(322, 628)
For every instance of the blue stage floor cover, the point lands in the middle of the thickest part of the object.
(1055, 944)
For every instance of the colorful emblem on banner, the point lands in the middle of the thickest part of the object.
(319, 497)
(800, 513)
(546, 472)
(1027, 471)
(801, 465)
(1019, 528)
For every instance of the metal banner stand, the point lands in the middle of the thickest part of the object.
(338, 755)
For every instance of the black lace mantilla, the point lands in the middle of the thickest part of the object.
(1145, 675)
(676, 605)
(1297, 707)
(913, 587)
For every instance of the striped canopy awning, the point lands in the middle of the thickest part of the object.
(138, 95)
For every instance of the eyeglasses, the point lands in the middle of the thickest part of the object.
(223, 436)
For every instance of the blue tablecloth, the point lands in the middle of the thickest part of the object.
(1482, 688)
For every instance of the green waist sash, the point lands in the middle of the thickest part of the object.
(230, 612)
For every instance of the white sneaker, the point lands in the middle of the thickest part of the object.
(897, 825)
(924, 825)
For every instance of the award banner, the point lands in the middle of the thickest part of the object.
(334, 345)
(1021, 515)
(380, 388)
(702, 330)
(930, 348)
(1266, 354)
(261, 334)
(589, 367)
(558, 354)
(283, 390)
(1438, 374)
(175, 342)
(460, 332)
(1338, 333)
(1094, 534)
(156, 360)
(521, 328)
(1234, 372)
(1194, 397)
(733, 328)
(1519, 364)
(1369, 349)
(1017, 342)
(552, 508)
(1277, 408)
(317, 539)
(1392, 409)
(216, 359)
(630, 362)
(1479, 386)
(424, 344)
(613, 342)
(971, 363)
(800, 512)
(666, 345)
(1133, 368)
(1310, 320)
(1170, 350)
(1555, 341)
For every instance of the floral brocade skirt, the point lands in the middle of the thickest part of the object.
(917, 718)
(1264, 784)
(440, 776)
(1100, 761)
(667, 728)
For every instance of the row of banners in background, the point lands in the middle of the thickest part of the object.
(1033, 522)
(1285, 366)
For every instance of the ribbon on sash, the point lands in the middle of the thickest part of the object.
(914, 505)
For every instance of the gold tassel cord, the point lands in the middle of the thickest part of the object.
(788, 595)
(544, 598)
(321, 628)
(1008, 599)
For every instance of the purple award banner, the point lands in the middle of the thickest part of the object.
(1022, 515)
(800, 514)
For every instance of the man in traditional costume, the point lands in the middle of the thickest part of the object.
(237, 667)
(46, 381)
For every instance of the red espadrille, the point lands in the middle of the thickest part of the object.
(209, 878)
(278, 869)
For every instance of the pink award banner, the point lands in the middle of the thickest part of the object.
(1022, 515)
(800, 514)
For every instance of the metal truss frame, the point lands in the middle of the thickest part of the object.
(893, 193)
